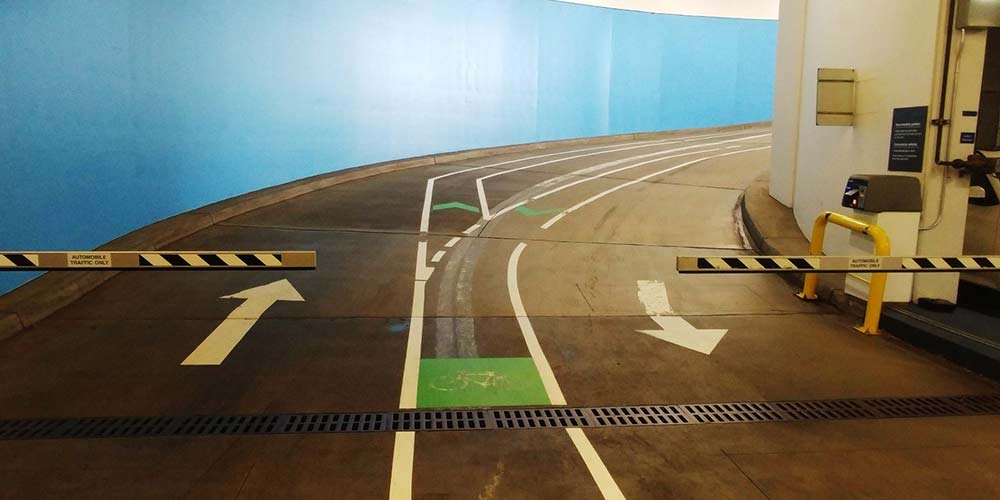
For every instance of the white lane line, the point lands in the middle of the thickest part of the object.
(423, 272)
(452, 242)
(602, 194)
(609, 488)
(472, 229)
(616, 163)
(411, 366)
(438, 256)
(425, 214)
(401, 482)
(716, 136)
(541, 363)
(484, 206)
(606, 483)
(402, 459)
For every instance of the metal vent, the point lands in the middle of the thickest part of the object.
(729, 413)
(541, 418)
(439, 420)
(639, 415)
(500, 418)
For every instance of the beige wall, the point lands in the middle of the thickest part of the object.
(983, 238)
(982, 235)
(787, 96)
(896, 47)
(948, 236)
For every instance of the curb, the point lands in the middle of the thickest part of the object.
(832, 295)
(39, 298)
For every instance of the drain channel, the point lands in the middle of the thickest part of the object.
(499, 418)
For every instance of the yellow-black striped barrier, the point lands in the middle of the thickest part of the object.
(837, 264)
(173, 260)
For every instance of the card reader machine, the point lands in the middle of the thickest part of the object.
(882, 193)
(893, 203)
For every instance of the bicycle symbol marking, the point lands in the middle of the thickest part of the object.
(462, 379)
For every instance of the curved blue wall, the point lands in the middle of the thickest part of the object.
(115, 114)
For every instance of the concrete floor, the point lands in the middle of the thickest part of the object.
(118, 350)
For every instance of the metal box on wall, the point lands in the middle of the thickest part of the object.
(835, 97)
(977, 14)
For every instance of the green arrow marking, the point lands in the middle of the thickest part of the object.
(530, 212)
(455, 204)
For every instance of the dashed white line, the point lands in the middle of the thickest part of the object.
(472, 229)
(452, 242)
(604, 193)
(438, 256)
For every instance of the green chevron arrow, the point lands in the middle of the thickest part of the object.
(455, 204)
(530, 212)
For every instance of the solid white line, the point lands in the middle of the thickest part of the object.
(541, 363)
(609, 488)
(452, 242)
(411, 366)
(401, 482)
(425, 214)
(722, 135)
(602, 194)
(484, 207)
(615, 171)
(423, 272)
(438, 256)
(606, 483)
(619, 162)
(400, 487)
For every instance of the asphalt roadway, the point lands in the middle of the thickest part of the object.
(534, 279)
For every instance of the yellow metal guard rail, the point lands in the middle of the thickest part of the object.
(876, 291)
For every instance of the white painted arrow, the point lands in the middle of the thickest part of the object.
(214, 349)
(673, 328)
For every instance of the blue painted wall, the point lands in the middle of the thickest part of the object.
(115, 113)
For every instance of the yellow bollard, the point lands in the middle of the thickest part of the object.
(876, 291)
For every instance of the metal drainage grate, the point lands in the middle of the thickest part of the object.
(500, 418)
